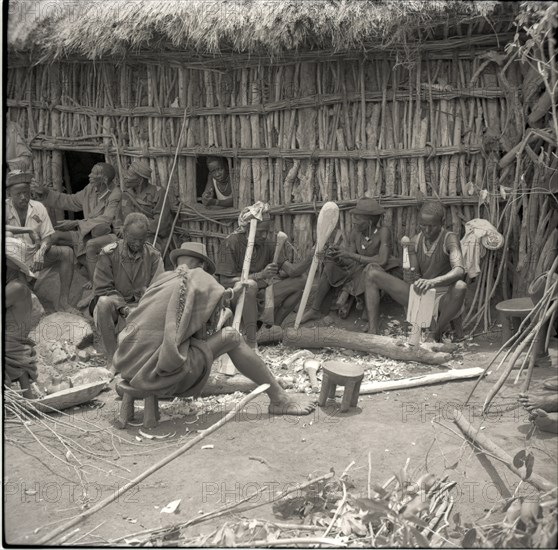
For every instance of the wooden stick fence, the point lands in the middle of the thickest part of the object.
(301, 130)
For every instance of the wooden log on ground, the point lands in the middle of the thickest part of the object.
(425, 380)
(485, 444)
(334, 337)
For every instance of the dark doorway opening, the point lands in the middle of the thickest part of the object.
(77, 167)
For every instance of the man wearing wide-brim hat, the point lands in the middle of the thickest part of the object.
(28, 222)
(368, 247)
(171, 340)
(141, 196)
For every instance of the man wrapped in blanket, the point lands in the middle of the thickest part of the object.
(168, 345)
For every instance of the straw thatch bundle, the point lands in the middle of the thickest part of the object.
(118, 27)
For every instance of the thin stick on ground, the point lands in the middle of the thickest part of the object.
(117, 494)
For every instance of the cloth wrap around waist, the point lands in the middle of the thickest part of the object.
(162, 348)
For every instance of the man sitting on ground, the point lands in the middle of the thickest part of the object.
(439, 265)
(140, 196)
(124, 270)
(19, 350)
(168, 347)
(288, 288)
(218, 190)
(28, 220)
(368, 247)
(100, 202)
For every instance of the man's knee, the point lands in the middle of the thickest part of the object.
(18, 289)
(61, 254)
(461, 286)
(251, 287)
(230, 334)
(106, 304)
(373, 275)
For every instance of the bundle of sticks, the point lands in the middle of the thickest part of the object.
(536, 327)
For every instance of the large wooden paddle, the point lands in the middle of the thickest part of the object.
(327, 220)
(226, 365)
(269, 304)
(419, 312)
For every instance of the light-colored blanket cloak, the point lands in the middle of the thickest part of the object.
(163, 335)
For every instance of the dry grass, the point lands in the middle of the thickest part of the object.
(56, 28)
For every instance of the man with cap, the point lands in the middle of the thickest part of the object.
(140, 196)
(287, 290)
(19, 350)
(28, 220)
(368, 247)
(218, 190)
(124, 270)
(99, 202)
(437, 262)
(171, 340)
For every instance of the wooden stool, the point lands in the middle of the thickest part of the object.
(510, 310)
(342, 374)
(150, 406)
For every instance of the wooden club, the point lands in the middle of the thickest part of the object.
(269, 305)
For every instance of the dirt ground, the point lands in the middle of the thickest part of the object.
(255, 449)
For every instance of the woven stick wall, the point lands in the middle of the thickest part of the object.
(300, 133)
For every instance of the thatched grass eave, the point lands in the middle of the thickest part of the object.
(113, 28)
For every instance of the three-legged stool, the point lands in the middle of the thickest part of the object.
(336, 374)
(150, 406)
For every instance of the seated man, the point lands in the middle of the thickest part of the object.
(124, 270)
(28, 220)
(439, 265)
(218, 190)
(168, 347)
(287, 290)
(99, 201)
(368, 247)
(140, 196)
(19, 350)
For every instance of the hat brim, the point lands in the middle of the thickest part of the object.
(176, 253)
(360, 212)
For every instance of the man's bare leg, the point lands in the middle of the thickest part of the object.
(321, 292)
(287, 294)
(62, 259)
(450, 306)
(92, 249)
(250, 365)
(106, 315)
(376, 280)
(250, 314)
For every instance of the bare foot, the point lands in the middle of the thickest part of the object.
(311, 315)
(547, 401)
(288, 404)
(544, 421)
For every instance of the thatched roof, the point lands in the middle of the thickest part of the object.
(100, 28)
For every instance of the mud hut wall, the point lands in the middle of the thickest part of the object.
(294, 134)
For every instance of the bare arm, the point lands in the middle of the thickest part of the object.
(72, 203)
(385, 250)
(456, 273)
